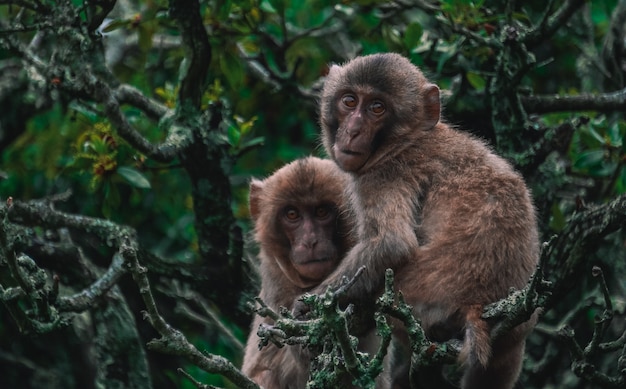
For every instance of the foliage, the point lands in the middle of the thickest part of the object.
(130, 130)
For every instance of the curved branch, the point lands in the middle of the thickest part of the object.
(86, 298)
(550, 25)
(87, 85)
(41, 213)
(36, 6)
(163, 152)
(127, 94)
(614, 46)
(567, 256)
(173, 341)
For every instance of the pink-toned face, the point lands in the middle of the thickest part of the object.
(298, 223)
(361, 116)
(311, 233)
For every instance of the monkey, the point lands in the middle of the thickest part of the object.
(303, 234)
(453, 220)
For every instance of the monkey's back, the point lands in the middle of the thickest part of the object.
(477, 231)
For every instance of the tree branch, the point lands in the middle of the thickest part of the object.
(87, 298)
(173, 341)
(127, 94)
(569, 250)
(583, 358)
(603, 102)
(88, 85)
(567, 256)
(186, 13)
(550, 25)
(177, 137)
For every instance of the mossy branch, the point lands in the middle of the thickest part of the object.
(124, 239)
(601, 102)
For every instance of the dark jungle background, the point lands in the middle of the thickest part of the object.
(135, 127)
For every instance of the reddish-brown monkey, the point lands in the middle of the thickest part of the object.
(454, 220)
(303, 234)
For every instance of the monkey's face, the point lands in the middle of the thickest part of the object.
(373, 107)
(310, 230)
(361, 118)
(297, 219)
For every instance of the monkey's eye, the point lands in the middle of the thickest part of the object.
(377, 108)
(349, 101)
(322, 212)
(292, 213)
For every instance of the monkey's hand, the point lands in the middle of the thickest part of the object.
(325, 296)
(304, 304)
(301, 307)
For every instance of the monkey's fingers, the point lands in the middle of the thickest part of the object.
(268, 333)
(301, 310)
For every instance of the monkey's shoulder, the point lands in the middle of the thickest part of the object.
(464, 152)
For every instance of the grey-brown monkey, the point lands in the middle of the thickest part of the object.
(451, 218)
(303, 234)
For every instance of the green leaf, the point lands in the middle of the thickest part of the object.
(588, 159)
(82, 109)
(604, 170)
(134, 177)
(145, 32)
(620, 185)
(278, 5)
(233, 69)
(477, 81)
(98, 145)
(614, 135)
(234, 135)
(391, 35)
(591, 137)
(446, 51)
(557, 221)
(224, 10)
(253, 142)
(112, 199)
(412, 35)
(267, 6)
(116, 24)
(245, 126)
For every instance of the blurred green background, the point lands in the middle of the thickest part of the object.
(268, 60)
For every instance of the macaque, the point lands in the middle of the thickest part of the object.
(452, 219)
(303, 233)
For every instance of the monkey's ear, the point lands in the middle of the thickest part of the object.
(334, 68)
(432, 105)
(256, 188)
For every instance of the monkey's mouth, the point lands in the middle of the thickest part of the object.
(315, 260)
(350, 160)
(350, 152)
(313, 263)
(315, 269)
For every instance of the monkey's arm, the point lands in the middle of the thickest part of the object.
(386, 239)
(252, 360)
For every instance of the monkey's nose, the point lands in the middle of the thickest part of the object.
(309, 244)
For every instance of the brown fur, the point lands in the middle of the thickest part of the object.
(453, 220)
(285, 248)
